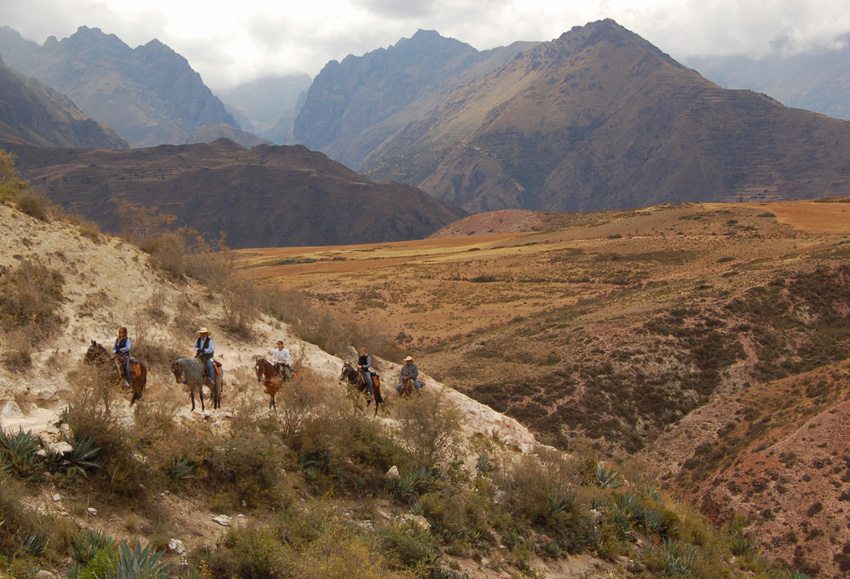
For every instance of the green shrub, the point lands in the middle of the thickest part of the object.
(409, 547)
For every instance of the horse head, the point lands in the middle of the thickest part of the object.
(177, 370)
(258, 367)
(346, 371)
(94, 352)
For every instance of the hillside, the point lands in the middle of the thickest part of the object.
(34, 114)
(639, 332)
(354, 105)
(149, 94)
(816, 81)
(264, 196)
(600, 118)
(307, 491)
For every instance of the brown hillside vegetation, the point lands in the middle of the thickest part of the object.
(90, 487)
(600, 118)
(609, 326)
(267, 195)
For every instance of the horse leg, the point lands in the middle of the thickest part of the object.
(192, 396)
(201, 394)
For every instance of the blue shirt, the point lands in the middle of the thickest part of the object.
(119, 349)
(208, 342)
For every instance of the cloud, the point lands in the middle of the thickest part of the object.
(229, 42)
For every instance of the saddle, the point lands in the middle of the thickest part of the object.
(217, 367)
(135, 368)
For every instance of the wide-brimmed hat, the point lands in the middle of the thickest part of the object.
(408, 359)
(203, 330)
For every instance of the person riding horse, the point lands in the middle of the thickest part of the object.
(409, 372)
(121, 352)
(282, 360)
(364, 363)
(204, 350)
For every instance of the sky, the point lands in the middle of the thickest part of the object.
(229, 42)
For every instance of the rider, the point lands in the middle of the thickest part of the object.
(282, 360)
(409, 370)
(364, 362)
(121, 351)
(204, 350)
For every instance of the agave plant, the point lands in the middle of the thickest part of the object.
(607, 477)
(19, 453)
(140, 563)
(86, 545)
(81, 458)
(181, 469)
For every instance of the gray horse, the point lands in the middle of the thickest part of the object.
(190, 372)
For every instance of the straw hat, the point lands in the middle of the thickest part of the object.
(203, 330)
(408, 359)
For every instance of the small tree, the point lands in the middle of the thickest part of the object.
(430, 426)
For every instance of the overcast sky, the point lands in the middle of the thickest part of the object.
(232, 41)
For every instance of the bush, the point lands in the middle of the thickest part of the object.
(430, 426)
(409, 547)
(29, 298)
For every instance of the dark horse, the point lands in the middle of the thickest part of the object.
(270, 377)
(190, 371)
(355, 378)
(100, 357)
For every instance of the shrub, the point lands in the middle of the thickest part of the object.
(29, 298)
(34, 204)
(460, 518)
(430, 426)
(409, 547)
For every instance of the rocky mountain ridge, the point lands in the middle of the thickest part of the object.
(352, 106)
(600, 118)
(31, 113)
(149, 95)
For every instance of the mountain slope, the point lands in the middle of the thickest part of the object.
(817, 81)
(35, 114)
(354, 105)
(600, 118)
(149, 95)
(264, 196)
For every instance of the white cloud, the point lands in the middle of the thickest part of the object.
(229, 42)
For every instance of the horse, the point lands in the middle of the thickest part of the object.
(190, 371)
(269, 376)
(408, 385)
(100, 357)
(355, 379)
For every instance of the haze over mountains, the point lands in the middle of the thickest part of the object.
(149, 94)
(33, 113)
(816, 81)
(267, 106)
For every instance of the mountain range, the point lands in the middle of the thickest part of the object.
(149, 94)
(265, 196)
(354, 105)
(817, 81)
(600, 118)
(35, 114)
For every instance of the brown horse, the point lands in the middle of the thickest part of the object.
(353, 375)
(270, 377)
(99, 357)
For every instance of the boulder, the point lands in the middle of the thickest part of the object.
(176, 546)
(222, 520)
(62, 447)
(92, 511)
(416, 521)
(393, 473)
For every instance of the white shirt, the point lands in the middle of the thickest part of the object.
(281, 357)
